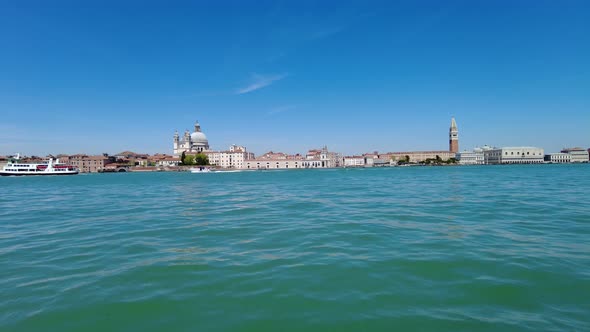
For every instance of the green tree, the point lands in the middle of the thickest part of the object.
(201, 159)
(182, 157)
(189, 160)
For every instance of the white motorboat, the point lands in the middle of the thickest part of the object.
(200, 169)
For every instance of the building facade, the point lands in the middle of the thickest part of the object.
(474, 157)
(354, 161)
(558, 158)
(470, 157)
(326, 158)
(88, 164)
(235, 157)
(419, 156)
(577, 155)
(275, 163)
(195, 142)
(514, 155)
(320, 158)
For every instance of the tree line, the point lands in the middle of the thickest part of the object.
(199, 159)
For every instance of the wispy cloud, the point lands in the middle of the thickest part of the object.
(280, 109)
(259, 82)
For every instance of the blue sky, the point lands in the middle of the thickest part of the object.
(288, 76)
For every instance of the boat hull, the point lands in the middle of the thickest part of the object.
(4, 173)
(201, 170)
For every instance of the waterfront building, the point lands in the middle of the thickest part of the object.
(273, 164)
(328, 158)
(375, 159)
(275, 160)
(88, 164)
(354, 161)
(133, 159)
(235, 157)
(577, 155)
(419, 156)
(470, 157)
(116, 168)
(514, 155)
(168, 162)
(558, 158)
(321, 158)
(195, 142)
(159, 159)
(568, 155)
(474, 157)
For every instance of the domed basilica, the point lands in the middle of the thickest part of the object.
(191, 142)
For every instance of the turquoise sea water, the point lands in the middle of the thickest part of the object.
(496, 248)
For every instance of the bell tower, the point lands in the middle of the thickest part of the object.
(176, 141)
(453, 137)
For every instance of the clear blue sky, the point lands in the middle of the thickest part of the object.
(101, 76)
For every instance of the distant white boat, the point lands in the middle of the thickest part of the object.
(200, 169)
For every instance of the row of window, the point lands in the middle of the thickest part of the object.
(268, 166)
(523, 162)
(528, 153)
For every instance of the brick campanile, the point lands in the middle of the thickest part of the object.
(453, 137)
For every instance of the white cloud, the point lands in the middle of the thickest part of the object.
(259, 82)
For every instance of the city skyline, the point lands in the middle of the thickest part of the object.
(83, 78)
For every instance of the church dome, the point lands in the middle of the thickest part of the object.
(199, 137)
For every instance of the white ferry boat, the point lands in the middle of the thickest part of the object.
(16, 168)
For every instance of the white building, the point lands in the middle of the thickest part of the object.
(321, 158)
(577, 155)
(169, 161)
(354, 161)
(276, 163)
(235, 157)
(474, 157)
(195, 142)
(514, 155)
(470, 157)
(374, 159)
(326, 158)
(558, 158)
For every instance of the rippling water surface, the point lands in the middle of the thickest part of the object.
(415, 248)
